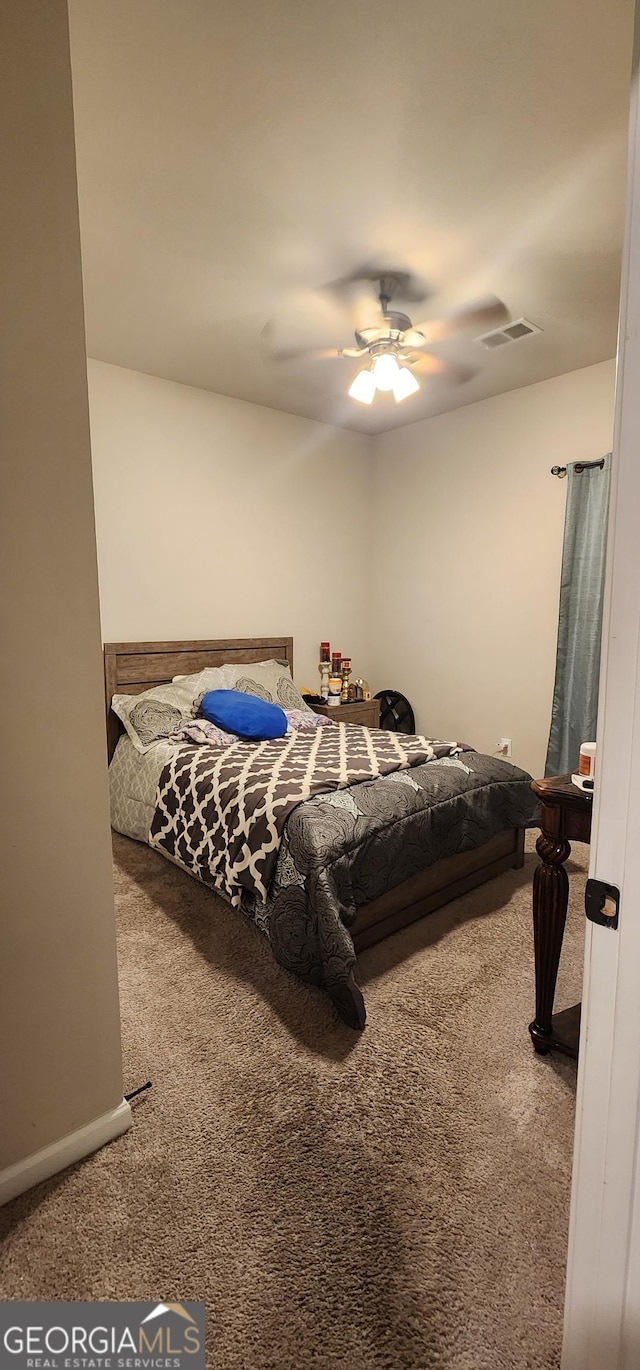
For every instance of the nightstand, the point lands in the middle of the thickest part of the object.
(366, 712)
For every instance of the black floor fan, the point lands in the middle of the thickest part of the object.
(396, 714)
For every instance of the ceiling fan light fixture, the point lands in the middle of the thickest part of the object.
(363, 388)
(405, 384)
(385, 371)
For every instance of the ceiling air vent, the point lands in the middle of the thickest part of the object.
(512, 332)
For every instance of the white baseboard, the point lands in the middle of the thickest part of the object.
(43, 1164)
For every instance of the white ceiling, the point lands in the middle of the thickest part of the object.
(234, 155)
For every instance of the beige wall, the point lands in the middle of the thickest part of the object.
(432, 554)
(467, 529)
(59, 1026)
(219, 518)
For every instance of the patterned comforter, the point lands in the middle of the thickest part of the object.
(304, 831)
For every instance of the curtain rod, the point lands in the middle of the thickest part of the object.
(578, 467)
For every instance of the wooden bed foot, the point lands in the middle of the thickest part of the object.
(519, 861)
(348, 1000)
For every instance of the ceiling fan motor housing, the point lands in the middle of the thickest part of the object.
(389, 332)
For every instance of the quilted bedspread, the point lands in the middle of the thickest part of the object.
(386, 809)
(221, 809)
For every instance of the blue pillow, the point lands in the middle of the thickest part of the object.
(244, 715)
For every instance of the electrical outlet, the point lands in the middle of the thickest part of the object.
(504, 746)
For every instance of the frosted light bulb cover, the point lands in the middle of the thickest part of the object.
(385, 371)
(405, 385)
(363, 388)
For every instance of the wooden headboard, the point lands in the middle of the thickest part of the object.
(131, 667)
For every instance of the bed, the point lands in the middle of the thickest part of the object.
(354, 864)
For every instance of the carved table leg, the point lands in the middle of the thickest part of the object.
(550, 899)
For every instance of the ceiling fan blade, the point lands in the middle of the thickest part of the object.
(353, 352)
(403, 284)
(365, 311)
(307, 319)
(293, 354)
(427, 365)
(449, 371)
(415, 339)
(475, 318)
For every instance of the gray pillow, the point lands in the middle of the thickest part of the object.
(209, 678)
(154, 713)
(158, 712)
(270, 680)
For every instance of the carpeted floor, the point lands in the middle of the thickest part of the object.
(394, 1199)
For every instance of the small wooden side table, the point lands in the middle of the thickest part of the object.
(566, 815)
(366, 712)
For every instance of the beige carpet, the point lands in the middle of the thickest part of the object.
(394, 1199)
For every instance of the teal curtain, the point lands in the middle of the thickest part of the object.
(575, 695)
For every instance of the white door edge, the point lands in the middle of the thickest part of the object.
(602, 1310)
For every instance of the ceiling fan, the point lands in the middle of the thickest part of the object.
(392, 347)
